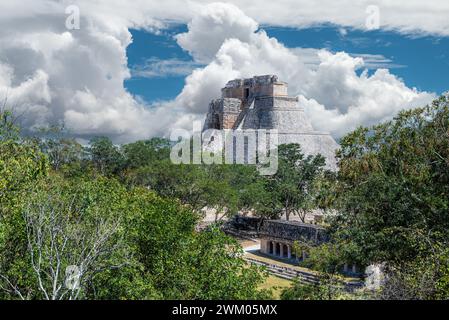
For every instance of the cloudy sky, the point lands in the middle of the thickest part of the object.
(133, 70)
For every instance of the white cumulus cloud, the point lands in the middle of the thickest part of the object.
(335, 97)
(51, 74)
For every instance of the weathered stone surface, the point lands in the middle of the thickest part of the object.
(282, 230)
(262, 102)
(293, 231)
(223, 113)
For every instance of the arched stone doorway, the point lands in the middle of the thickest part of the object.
(277, 250)
(285, 251)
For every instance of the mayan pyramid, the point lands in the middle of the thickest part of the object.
(262, 102)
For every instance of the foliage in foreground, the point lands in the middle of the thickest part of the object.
(393, 200)
(57, 199)
(63, 217)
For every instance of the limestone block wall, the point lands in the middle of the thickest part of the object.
(293, 231)
(280, 89)
(248, 89)
(282, 230)
(233, 92)
(223, 113)
(285, 115)
(229, 120)
(281, 113)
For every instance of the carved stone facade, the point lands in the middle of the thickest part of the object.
(262, 102)
(223, 113)
(282, 239)
(277, 237)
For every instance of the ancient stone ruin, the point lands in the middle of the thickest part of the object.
(277, 237)
(262, 102)
(285, 240)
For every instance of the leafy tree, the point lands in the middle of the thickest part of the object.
(326, 195)
(21, 163)
(128, 242)
(144, 153)
(183, 182)
(224, 274)
(62, 224)
(394, 184)
(250, 188)
(293, 186)
(106, 157)
(393, 197)
(182, 263)
(64, 153)
(327, 261)
(306, 291)
(196, 186)
(8, 129)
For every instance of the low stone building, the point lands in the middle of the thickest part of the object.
(277, 237)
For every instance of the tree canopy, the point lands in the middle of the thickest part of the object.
(73, 226)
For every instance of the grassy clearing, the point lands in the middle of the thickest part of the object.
(276, 284)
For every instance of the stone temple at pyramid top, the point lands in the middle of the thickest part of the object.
(262, 102)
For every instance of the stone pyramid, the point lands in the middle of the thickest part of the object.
(262, 102)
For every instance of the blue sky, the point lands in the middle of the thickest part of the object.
(58, 73)
(421, 61)
(147, 45)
